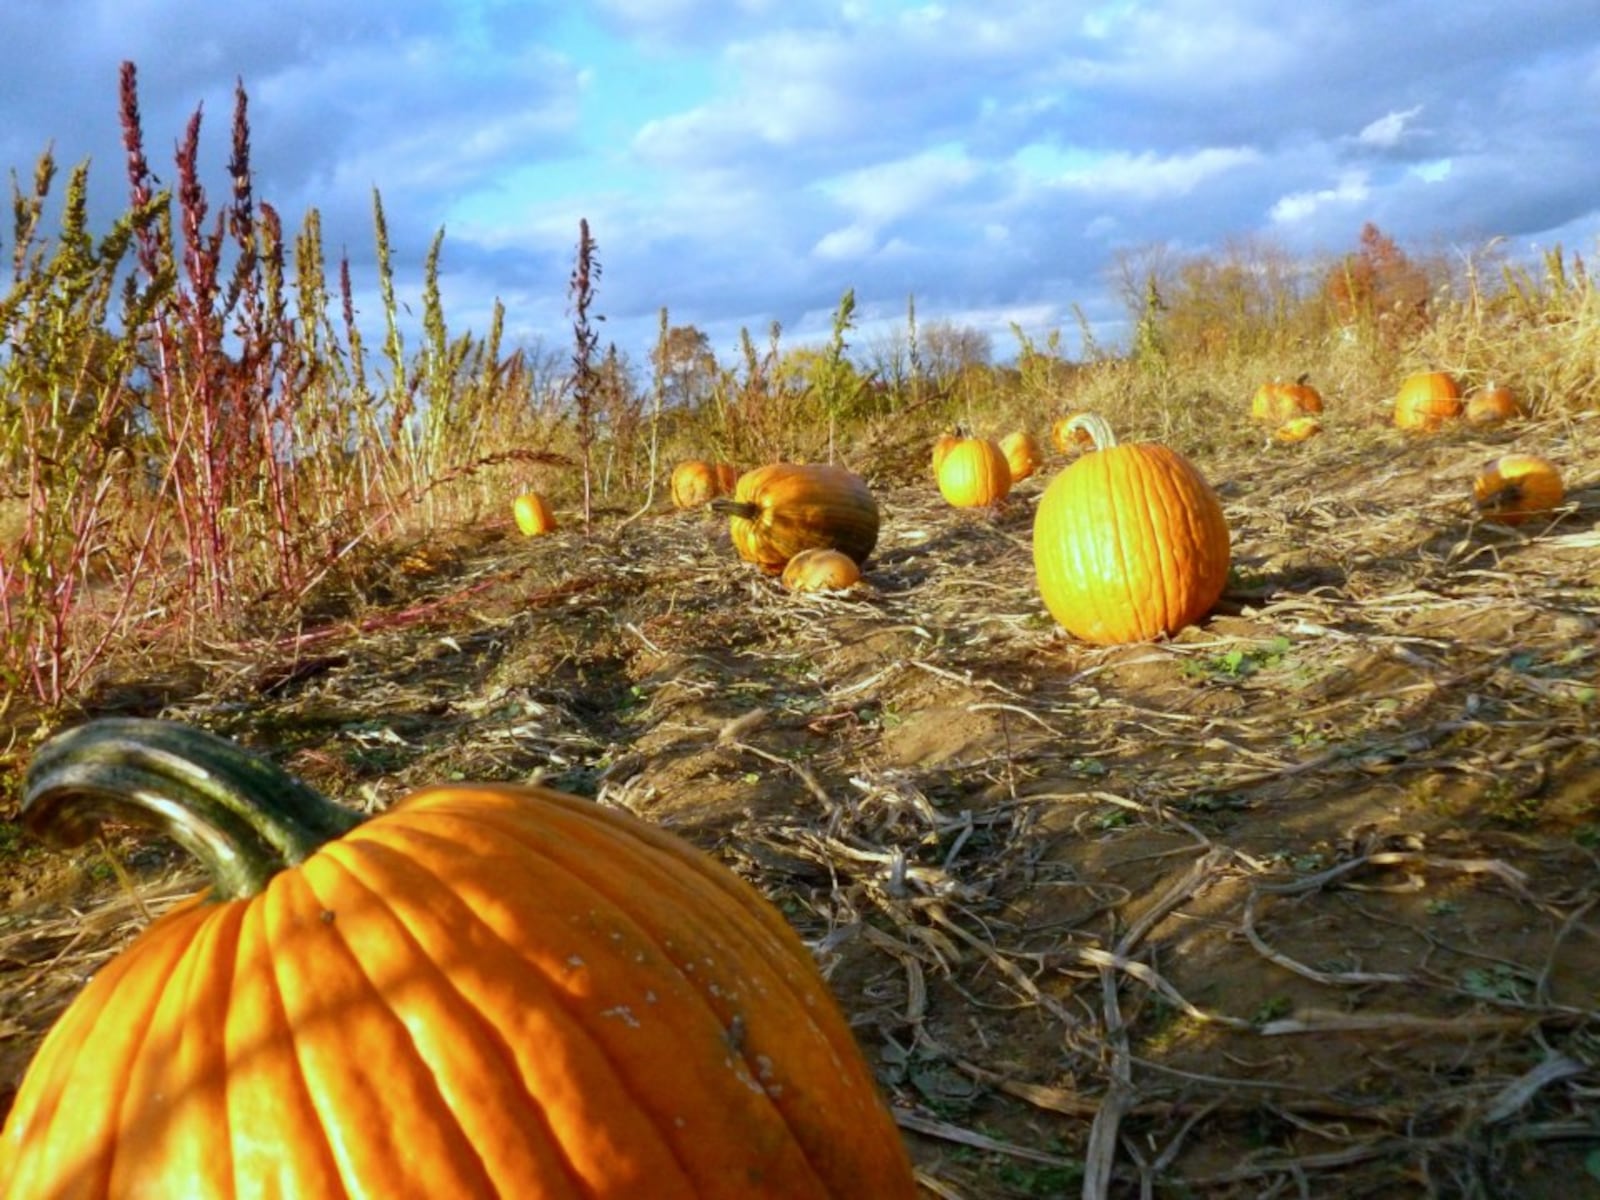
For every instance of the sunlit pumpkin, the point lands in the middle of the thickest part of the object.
(1517, 487)
(1426, 401)
(820, 570)
(1278, 401)
(1494, 405)
(533, 515)
(974, 472)
(1297, 429)
(942, 445)
(780, 509)
(1068, 438)
(1129, 542)
(695, 482)
(486, 991)
(1023, 455)
(727, 477)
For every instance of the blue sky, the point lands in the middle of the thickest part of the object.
(745, 161)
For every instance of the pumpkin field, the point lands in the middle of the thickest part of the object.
(1184, 781)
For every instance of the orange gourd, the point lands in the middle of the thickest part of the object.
(1068, 438)
(780, 509)
(1022, 454)
(1129, 542)
(820, 570)
(695, 482)
(1426, 401)
(974, 472)
(533, 515)
(1517, 487)
(1494, 405)
(486, 991)
(1278, 401)
(942, 445)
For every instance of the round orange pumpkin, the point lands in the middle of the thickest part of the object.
(1494, 405)
(942, 445)
(1129, 542)
(974, 473)
(1278, 401)
(533, 515)
(694, 482)
(1022, 454)
(820, 570)
(486, 991)
(1517, 487)
(780, 509)
(1426, 401)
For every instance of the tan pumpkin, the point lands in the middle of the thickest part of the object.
(1515, 488)
(780, 509)
(532, 514)
(1427, 399)
(1278, 401)
(974, 473)
(1494, 405)
(1297, 429)
(488, 990)
(1023, 455)
(1129, 542)
(1068, 438)
(695, 482)
(820, 570)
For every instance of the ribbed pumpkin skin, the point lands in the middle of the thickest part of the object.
(1492, 406)
(533, 515)
(1279, 401)
(974, 473)
(693, 483)
(1022, 454)
(820, 570)
(1130, 543)
(1426, 401)
(794, 507)
(942, 445)
(1517, 487)
(485, 992)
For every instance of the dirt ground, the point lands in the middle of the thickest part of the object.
(1301, 903)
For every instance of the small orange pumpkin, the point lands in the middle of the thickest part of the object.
(533, 515)
(1297, 429)
(942, 445)
(820, 570)
(1426, 401)
(1068, 438)
(974, 473)
(1129, 542)
(695, 482)
(487, 990)
(1022, 454)
(1517, 487)
(1494, 405)
(780, 509)
(1278, 401)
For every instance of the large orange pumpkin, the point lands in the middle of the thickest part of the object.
(780, 509)
(1517, 487)
(487, 991)
(533, 515)
(1426, 401)
(974, 472)
(1278, 401)
(1022, 453)
(1129, 542)
(942, 445)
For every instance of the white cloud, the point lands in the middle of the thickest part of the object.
(1146, 175)
(844, 245)
(1387, 130)
(1351, 190)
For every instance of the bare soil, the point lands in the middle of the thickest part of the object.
(1301, 902)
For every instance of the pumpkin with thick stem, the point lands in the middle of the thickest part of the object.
(1427, 399)
(780, 509)
(1515, 488)
(1067, 437)
(974, 473)
(1129, 542)
(1278, 401)
(486, 991)
(533, 515)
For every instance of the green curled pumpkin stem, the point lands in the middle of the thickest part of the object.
(244, 818)
(1096, 426)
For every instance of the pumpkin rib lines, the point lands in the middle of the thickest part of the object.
(349, 860)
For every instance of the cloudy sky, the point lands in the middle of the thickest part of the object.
(744, 161)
